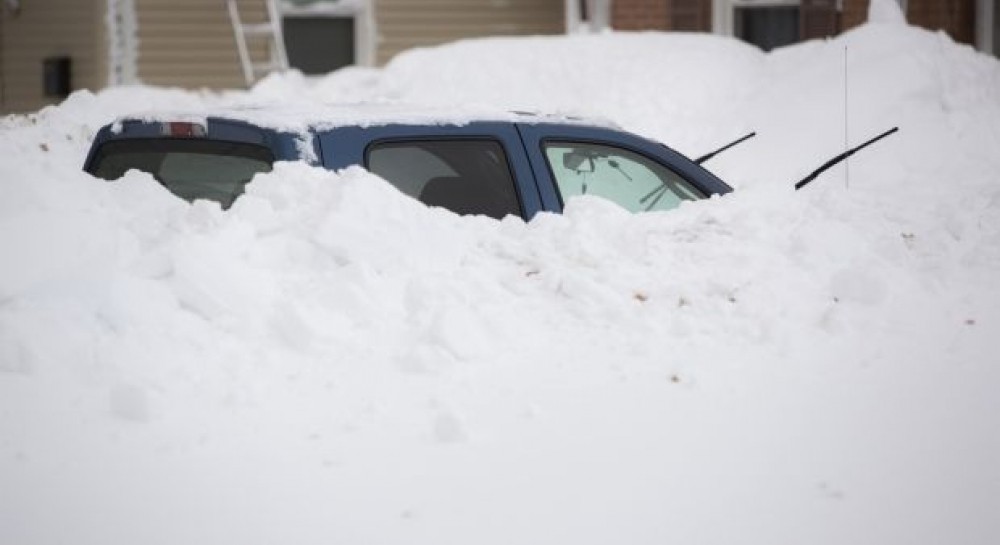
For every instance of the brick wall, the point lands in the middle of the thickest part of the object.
(855, 13)
(956, 17)
(639, 15)
(691, 15)
(818, 19)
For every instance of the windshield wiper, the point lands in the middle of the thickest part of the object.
(825, 166)
(708, 156)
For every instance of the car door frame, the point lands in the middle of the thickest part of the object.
(535, 135)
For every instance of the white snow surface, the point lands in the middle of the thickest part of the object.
(330, 362)
(886, 11)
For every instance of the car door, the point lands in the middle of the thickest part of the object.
(477, 168)
(636, 173)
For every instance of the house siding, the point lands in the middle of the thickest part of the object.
(190, 43)
(402, 24)
(50, 28)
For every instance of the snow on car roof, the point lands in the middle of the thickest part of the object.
(304, 117)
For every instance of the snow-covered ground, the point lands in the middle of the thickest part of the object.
(331, 362)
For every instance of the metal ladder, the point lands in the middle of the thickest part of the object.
(269, 30)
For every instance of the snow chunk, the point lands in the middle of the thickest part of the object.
(886, 12)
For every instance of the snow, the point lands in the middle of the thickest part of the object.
(330, 361)
(274, 113)
(886, 12)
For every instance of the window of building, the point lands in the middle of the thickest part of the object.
(318, 45)
(767, 26)
(775, 23)
(995, 15)
(324, 35)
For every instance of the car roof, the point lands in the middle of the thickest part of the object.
(312, 117)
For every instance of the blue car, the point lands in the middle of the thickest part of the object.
(492, 165)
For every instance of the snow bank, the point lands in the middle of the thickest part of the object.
(329, 361)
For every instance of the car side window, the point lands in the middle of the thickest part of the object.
(466, 176)
(633, 181)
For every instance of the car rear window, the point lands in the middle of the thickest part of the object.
(190, 169)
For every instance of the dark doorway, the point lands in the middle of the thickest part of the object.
(996, 27)
(767, 27)
(317, 45)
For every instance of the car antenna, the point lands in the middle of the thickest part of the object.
(708, 156)
(847, 106)
(825, 166)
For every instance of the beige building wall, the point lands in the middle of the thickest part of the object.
(50, 28)
(402, 24)
(190, 43)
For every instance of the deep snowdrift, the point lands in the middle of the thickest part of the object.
(331, 362)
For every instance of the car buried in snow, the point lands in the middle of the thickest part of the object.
(470, 163)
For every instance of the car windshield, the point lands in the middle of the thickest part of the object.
(191, 169)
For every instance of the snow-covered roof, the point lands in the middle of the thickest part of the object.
(301, 117)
